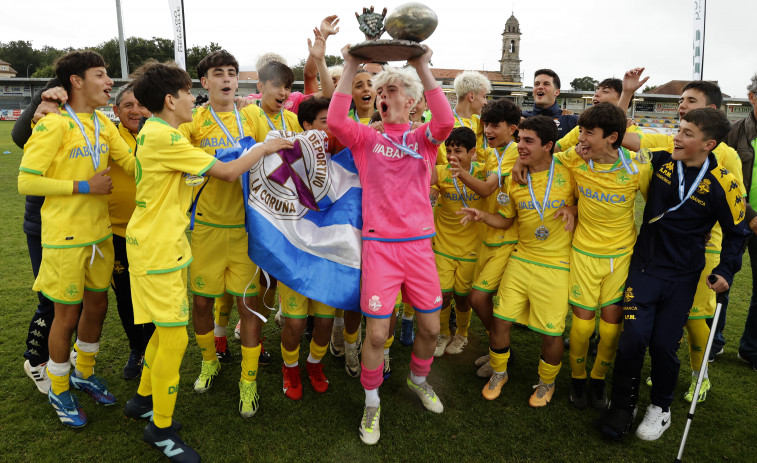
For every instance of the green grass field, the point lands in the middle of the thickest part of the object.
(324, 427)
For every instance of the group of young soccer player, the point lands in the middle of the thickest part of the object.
(498, 215)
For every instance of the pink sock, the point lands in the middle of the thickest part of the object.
(420, 367)
(372, 379)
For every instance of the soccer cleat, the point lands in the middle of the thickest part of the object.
(407, 335)
(68, 409)
(222, 350)
(714, 353)
(427, 395)
(238, 330)
(265, 356)
(38, 374)
(616, 423)
(441, 344)
(457, 345)
(542, 395)
(387, 366)
(249, 400)
(208, 372)
(369, 425)
(133, 367)
(654, 424)
(140, 408)
(95, 386)
(597, 394)
(689, 396)
(169, 443)
(577, 394)
(336, 344)
(292, 384)
(649, 381)
(352, 362)
(494, 387)
(485, 371)
(318, 380)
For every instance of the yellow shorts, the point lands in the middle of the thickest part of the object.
(545, 289)
(704, 299)
(65, 273)
(160, 298)
(221, 263)
(597, 282)
(295, 305)
(490, 266)
(454, 275)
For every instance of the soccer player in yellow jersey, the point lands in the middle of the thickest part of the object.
(696, 94)
(159, 252)
(535, 282)
(456, 247)
(471, 88)
(500, 120)
(608, 91)
(607, 178)
(219, 239)
(66, 160)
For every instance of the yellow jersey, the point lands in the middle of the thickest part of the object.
(221, 203)
(606, 207)
(474, 123)
(121, 200)
(459, 242)
(155, 238)
(500, 160)
(541, 242)
(57, 150)
(264, 123)
(726, 156)
(571, 139)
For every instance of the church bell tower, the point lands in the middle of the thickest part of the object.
(509, 65)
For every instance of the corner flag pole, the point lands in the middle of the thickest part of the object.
(121, 43)
(700, 13)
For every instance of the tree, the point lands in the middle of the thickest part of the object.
(19, 54)
(584, 83)
(196, 54)
(649, 88)
(331, 60)
(138, 50)
(44, 72)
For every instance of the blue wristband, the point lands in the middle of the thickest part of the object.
(83, 187)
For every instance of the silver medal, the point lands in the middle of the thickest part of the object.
(503, 199)
(541, 233)
(194, 180)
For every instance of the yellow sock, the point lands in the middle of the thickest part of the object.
(207, 343)
(408, 310)
(463, 322)
(145, 381)
(165, 372)
(498, 361)
(388, 342)
(250, 359)
(609, 336)
(580, 332)
(316, 351)
(699, 333)
(223, 307)
(59, 383)
(85, 362)
(350, 337)
(547, 372)
(444, 320)
(290, 357)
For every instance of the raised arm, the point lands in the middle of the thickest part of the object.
(442, 121)
(317, 52)
(340, 125)
(631, 84)
(230, 171)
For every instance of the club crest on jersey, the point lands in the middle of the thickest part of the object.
(289, 184)
(374, 304)
(704, 187)
(629, 295)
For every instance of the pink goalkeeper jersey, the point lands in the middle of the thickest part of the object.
(396, 185)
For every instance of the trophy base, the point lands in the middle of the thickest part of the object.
(383, 50)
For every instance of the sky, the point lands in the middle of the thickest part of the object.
(578, 38)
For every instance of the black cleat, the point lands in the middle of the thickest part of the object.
(167, 441)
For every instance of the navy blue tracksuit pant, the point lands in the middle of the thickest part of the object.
(655, 312)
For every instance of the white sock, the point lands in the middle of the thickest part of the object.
(290, 365)
(407, 317)
(338, 321)
(58, 369)
(312, 359)
(219, 331)
(350, 346)
(386, 351)
(89, 347)
(417, 380)
(372, 398)
(695, 374)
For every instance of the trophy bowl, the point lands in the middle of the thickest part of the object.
(408, 25)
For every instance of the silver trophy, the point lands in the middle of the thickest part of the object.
(409, 24)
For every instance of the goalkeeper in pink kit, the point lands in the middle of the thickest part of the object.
(395, 172)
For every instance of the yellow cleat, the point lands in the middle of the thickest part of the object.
(494, 387)
(542, 395)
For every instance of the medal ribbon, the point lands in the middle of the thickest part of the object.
(625, 163)
(94, 152)
(232, 141)
(540, 209)
(465, 192)
(700, 176)
(499, 162)
(403, 147)
(270, 122)
(459, 119)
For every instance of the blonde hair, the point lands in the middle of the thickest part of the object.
(266, 58)
(405, 76)
(471, 81)
(336, 70)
